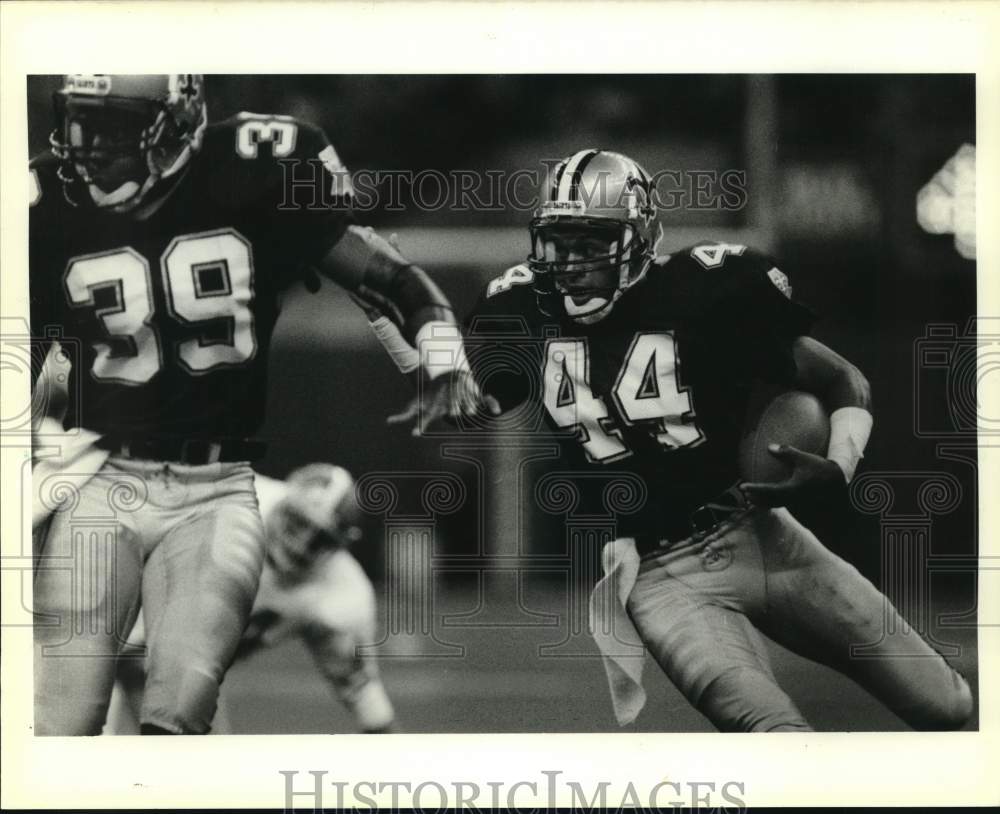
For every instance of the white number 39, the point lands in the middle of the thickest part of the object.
(279, 131)
(207, 278)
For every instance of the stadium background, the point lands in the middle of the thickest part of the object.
(490, 632)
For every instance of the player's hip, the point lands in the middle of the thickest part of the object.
(724, 566)
(170, 484)
(146, 501)
(730, 565)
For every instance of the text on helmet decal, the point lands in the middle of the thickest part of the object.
(90, 84)
(574, 207)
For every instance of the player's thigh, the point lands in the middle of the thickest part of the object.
(86, 595)
(822, 607)
(274, 617)
(198, 590)
(130, 682)
(712, 654)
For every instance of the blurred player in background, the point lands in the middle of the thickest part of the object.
(311, 587)
(162, 245)
(652, 371)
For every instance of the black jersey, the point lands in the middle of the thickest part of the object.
(661, 386)
(174, 314)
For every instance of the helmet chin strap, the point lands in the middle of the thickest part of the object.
(127, 195)
(131, 194)
(116, 197)
(593, 310)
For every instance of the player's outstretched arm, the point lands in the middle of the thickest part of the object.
(846, 394)
(373, 268)
(415, 323)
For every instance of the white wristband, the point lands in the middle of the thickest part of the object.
(440, 347)
(403, 354)
(849, 431)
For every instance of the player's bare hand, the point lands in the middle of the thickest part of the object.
(448, 397)
(813, 477)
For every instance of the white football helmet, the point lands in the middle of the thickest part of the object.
(318, 511)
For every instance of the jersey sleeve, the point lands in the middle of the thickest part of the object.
(763, 314)
(499, 343)
(314, 198)
(769, 294)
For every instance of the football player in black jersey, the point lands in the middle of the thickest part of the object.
(647, 363)
(161, 244)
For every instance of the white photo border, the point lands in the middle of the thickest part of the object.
(282, 37)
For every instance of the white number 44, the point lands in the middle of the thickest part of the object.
(714, 255)
(646, 390)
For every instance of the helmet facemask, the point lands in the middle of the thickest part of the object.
(104, 144)
(594, 235)
(583, 265)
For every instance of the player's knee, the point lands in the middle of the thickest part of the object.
(949, 710)
(743, 699)
(961, 707)
(58, 717)
(185, 706)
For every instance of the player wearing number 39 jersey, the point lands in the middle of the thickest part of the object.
(160, 245)
(648, 363)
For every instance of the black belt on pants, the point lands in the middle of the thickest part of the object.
(700, 523)
(191, 451)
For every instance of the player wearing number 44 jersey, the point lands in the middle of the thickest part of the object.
(161, 244)
(648, 364)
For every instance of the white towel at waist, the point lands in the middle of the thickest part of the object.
(616, 637)
(61, 454)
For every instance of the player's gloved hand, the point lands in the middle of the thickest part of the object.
(449, 396)
(813, 479)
